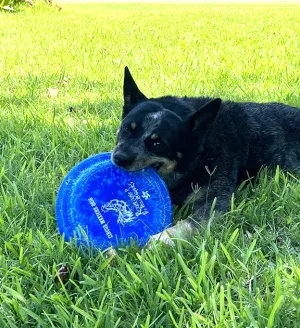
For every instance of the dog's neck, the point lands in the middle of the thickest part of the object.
(182, 169)
(173, 179)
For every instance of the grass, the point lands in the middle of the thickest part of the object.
(240, 272)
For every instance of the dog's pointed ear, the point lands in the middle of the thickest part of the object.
(132, 94)
(204, 117)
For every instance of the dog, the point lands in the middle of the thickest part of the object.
(203, 147)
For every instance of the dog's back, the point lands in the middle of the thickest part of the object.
(275, 135)
(260, 134)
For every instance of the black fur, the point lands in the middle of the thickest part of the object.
(210, 143)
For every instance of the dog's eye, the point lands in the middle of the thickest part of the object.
(155, 140)
(130, 128)
(156, 143)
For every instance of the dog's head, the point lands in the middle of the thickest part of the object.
(151, 134)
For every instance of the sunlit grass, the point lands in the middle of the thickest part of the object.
(243, 271)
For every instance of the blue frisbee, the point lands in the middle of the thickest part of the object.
(103, 205)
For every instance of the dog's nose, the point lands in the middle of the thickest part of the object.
(122, 160)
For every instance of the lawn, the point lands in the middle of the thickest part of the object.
(61, 75)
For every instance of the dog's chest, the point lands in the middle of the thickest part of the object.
(182, 185)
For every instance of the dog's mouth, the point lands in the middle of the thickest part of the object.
(163, 166)
(157, 165)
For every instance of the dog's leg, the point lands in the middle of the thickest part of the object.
(187, 228)
(219, 188)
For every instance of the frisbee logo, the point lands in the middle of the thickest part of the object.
(137, 202)
(121, 207)
(126, 213)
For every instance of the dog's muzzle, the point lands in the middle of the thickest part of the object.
(121, 159)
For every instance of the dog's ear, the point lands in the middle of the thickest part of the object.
(132, 94)
(204, 117)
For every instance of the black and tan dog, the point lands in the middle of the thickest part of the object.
(203, 147)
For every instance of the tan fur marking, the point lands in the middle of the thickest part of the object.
(179, 154)
(127, 99)
(167, 168)
(133, 125)
(154, 136)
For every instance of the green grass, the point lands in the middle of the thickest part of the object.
(244, 270)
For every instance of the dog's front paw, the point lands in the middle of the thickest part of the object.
(164, 237)
(182, 230)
